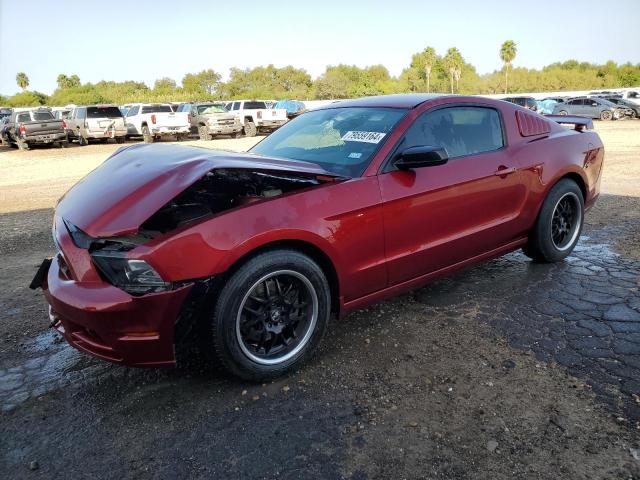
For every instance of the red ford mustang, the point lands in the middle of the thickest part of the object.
(343, 206)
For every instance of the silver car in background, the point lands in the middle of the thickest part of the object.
(592, 107)
(96, 122)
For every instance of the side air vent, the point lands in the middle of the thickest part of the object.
(530, 125)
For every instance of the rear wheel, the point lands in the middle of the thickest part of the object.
(563, 112)
(270, 315)
(22, 145)
(146, 134)
(203, 133)
(237, 135)
(250, 129)
(120, 139)
(559, 224)
(82, 140)
(606, 115)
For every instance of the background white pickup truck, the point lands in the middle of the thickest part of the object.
(156, 120)
(255, 116)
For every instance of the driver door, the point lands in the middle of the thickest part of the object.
(437, 216)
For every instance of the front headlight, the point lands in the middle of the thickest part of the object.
(136, 277)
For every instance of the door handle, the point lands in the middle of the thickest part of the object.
(504, 171)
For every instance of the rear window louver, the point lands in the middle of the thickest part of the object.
(531, 124)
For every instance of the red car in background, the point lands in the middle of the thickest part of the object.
(341, 207)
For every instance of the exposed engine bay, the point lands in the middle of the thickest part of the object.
(221, 190)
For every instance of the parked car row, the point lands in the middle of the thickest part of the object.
(603, 107)
(60, 125)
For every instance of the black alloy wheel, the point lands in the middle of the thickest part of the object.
(276, 317)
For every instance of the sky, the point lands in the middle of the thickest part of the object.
(144, 40)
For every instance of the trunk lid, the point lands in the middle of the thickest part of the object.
(136, 181)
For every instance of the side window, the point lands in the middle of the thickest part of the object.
(459, 130)
(632, 95)
(133, 111)
(23, 117)
(236, 105)
(575, 102)
(81, 113)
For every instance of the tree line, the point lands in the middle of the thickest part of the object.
(427, 72)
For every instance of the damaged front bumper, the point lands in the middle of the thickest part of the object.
(100, 319)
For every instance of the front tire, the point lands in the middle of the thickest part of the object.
(559, 224)
(203, 133)
(270, 316)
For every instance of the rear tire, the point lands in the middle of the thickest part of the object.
(120, 139)
(563, 112)
(146, 134)
(22, 145)
(82, 140)
(269, 317)
(559, 224)
(606, 115)
(237, 135)
(250, 129)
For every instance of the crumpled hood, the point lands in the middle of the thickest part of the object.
(136, 181)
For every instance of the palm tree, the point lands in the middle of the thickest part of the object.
(62, 81)
(430, 58)
(507, 55)
(453, 64)
(22, 80)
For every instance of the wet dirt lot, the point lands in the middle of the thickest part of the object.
(507, 370)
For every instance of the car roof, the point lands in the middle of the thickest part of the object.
(400, 100)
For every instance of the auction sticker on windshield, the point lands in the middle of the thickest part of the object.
(367, 137)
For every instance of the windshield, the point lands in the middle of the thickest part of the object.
(103, 112)
(340, 140)
(204, 109)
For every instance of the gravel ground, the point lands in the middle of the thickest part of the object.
(507, 370)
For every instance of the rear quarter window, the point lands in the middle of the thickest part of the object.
(104, 112)
(42, 116)
(254, 105)
(156, 109)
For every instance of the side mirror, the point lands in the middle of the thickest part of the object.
(421, 156)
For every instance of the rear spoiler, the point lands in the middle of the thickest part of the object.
(579, 123)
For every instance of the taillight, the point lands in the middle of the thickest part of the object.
(188, 118)
(21, 129)
(153, 119)
(259, 115)
(64, 125)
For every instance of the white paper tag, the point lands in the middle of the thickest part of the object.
(366, 137)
